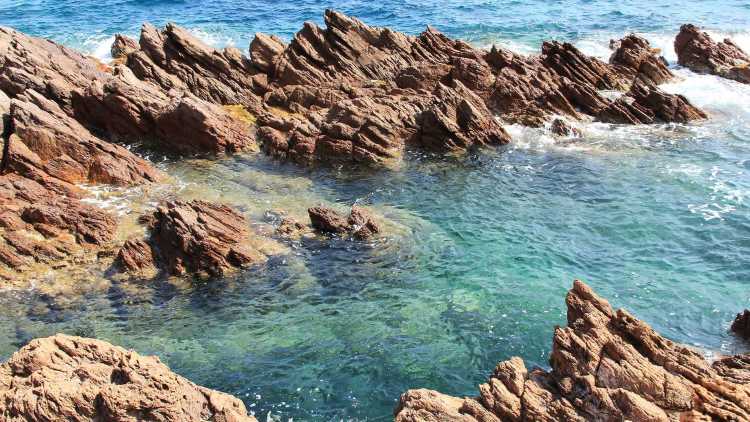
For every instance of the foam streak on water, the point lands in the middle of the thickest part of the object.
(478, 252)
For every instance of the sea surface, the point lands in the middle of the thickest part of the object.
(478, 251)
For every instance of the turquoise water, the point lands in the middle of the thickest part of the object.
(479, 251)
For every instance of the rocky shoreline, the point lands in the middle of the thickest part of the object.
(349, 94)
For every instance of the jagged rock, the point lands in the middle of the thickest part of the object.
(130, 109)
(59, 146)
(359, 224)
(606, 365)
(634, 55)
(136, 256)
(191, 237)
(741, 324)
(79, 379)
(122, 46)
(698, 52)
(562, 128)
(265, 50)
(173, 58)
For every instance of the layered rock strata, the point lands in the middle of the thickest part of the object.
(606, 365)
(699, 53)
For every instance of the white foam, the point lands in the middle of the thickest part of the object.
(99, 46)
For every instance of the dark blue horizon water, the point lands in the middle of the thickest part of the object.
(478, 252)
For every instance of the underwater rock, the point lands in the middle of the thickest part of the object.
(122, 46)
(359, 224)
(699, 53)
(191, 237)
(741, 324)
(79, 379)
(606, 365)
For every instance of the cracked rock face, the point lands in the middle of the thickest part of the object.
(699, 53)
(606, 366)
(79, 379)
(191, 237)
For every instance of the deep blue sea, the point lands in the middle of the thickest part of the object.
(478, 252)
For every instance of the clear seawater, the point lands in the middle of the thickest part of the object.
(479, 251)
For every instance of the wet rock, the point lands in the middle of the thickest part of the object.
(359, 224)
(136, 256)
(122, 46)
(289, 228)
(635, 56)
(560, 127)
(192, 237)
(606, 365)
(80, 379)
(741, 324)
(699, 53)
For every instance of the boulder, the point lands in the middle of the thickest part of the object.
(191, 237)
(359, 224)
(699, 53)
(265, 50)
(635, 56)
(79, 379)
(605, 365)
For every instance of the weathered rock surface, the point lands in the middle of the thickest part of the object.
(359, 224)
(79, 379)
(191, 237)
(122, 46)
(741, 324)
(606, 366)
(698, 52)
(350, 92)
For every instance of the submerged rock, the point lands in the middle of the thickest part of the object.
(699, 53)
(606, 365)
(741, 324)
(79, 379)
(359, 224)
(191, 237)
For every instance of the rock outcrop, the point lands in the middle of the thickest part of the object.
(350, 92)
(699, 53)
(359, 224)
(79, 379)
(191, 237)
(606, 366)
(741, 324)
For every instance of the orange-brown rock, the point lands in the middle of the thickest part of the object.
(606, 366)
(699, 53)
(122, 46)
(359, 224)
(79, 379)
(191, 237)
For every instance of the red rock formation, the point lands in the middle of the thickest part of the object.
(606, 365)
(698, 52)
(78, 379)
(359, 224)
(191, 237)
(354, 93)
(122, 46)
